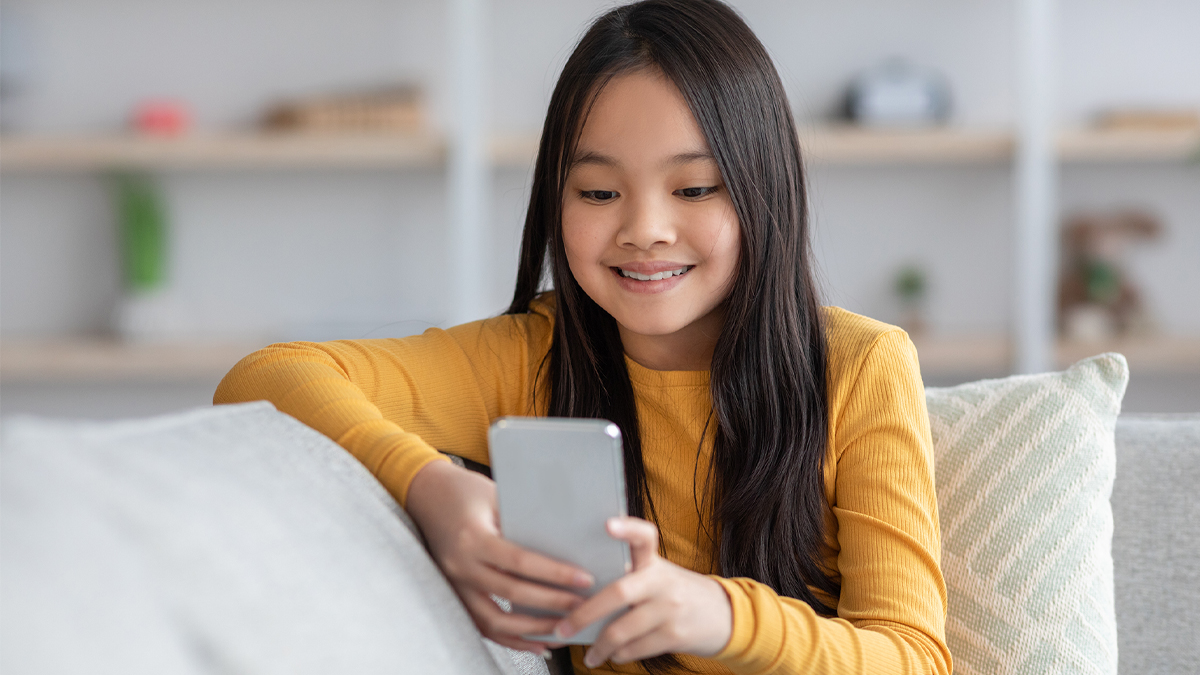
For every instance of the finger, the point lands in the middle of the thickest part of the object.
(497, 624)
(654, 643)
(624, 632)
(526, 593)
(625, 592)
(523, 562)
(642, 537)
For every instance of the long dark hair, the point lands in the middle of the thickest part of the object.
(765, 503)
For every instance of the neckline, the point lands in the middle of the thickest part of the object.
(640, 374)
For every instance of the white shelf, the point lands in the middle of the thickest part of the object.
(832, 145)
(95, 360)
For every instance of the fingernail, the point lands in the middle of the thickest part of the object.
(546, 655)
(584, 579)
(563, 630)
(591, 661)
(616, 526)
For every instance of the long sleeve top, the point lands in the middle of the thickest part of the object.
(395, 403)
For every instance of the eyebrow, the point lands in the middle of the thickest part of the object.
(600, 159)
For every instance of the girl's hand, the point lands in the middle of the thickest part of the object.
(456, 511)
(671, 609)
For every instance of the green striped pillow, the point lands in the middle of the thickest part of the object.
(1025, 468)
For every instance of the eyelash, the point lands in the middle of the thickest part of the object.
(705, 192)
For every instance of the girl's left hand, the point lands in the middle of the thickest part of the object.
(672, 609)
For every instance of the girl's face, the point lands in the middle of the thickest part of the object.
(649, 231)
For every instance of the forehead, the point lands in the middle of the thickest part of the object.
(639, 119)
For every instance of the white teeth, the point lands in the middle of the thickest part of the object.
(659, 276)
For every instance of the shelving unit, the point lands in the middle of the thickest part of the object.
(101, 360)
(822, 145)
(466, 155)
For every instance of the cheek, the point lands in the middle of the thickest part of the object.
(586, 232)
(724, 245)
(581, 243)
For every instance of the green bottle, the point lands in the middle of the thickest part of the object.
(142, 222)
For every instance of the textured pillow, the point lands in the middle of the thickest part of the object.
(1024, 471)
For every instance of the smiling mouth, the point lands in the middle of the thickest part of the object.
(657, 276)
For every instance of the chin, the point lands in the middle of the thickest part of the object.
(642, 324)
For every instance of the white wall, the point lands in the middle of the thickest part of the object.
(322, 254)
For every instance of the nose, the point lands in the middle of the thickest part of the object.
(646, 223)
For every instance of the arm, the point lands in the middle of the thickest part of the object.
(389, 402)
(891, 613)
(376, 398)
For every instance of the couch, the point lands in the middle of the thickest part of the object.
(237, 540)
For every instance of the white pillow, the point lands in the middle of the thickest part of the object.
(1024, 472)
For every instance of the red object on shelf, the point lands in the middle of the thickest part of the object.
(162, 117)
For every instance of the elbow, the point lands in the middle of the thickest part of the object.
(235, 387)
(271, 371)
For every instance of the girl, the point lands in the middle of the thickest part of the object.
(778, 456)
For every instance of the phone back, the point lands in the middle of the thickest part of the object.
(558, 480)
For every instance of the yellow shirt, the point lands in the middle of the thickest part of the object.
(392, 402)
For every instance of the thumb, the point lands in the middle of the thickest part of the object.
(642, 537)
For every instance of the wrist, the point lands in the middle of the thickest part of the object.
(424, 488)
(721, 619)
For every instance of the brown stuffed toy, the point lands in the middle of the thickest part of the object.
(1096, 299)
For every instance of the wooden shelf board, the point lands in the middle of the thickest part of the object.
(514, 151)
(111, 360)
(855, 146)
(827, 145)
(1129, 145)
(987, 355)
(1160, 354)
(233, 151)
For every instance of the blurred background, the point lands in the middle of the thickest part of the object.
(184, 181)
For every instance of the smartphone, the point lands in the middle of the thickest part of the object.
(558, 480)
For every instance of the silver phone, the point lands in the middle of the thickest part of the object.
(558, 480)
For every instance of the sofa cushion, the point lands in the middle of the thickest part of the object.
(1156, 544)
(1024, 469)
(229, 539)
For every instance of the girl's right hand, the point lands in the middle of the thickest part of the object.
(456, 511)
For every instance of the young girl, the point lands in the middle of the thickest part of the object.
(778, 456)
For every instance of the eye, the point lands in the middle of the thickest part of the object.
(696, 192)
(598, 195)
